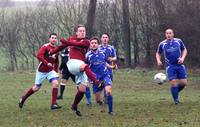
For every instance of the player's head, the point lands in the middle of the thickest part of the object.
(53, 38)
(105, 38)
(169, 33)
(94, 43)
(80, 31)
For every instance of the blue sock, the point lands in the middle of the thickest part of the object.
(180, 87)
(88, 95)
(110, 103)
(174, 92)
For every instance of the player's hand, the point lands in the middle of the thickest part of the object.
(110, 59)
(159, 63)
(62, 40)
(180, 61)
(50, 64)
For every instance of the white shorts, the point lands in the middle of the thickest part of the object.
(41, 76)
(74, 67)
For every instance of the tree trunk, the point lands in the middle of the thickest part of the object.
(91, 17)
(126, 32)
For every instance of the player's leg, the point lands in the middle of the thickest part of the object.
(172, 76)
(97, 94)
(53, 78)
(40, 77)
(182, 76)
(76, 66)
(62, 88)
(109, 97)
(65, 76)
(88, 95)
(89, 73)
(81, 81)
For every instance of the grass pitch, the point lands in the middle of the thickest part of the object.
(138, 102)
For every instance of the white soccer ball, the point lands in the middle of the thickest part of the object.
(160, 78)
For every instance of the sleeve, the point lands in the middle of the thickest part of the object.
(182, 46)
(56, 63)
(57, 49)
(160, 48)
(41, 53)
(73, 42)
(113, 52)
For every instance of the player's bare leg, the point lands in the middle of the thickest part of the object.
(109, 99)
(54, 104)
(62, 88)
(174, 91)
(78, 97)
(28, 93)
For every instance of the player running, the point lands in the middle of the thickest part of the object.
(47, 69)
(78, 45)
(64, 71)
(174, 52)
(98, 64)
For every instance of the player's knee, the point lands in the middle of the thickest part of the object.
(35, 88)
(183, 82)
(55, 83)
(82, 67)
(108, 91)
(63, 81)
(82, 88)
(173, 82)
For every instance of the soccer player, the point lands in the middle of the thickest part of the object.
(66, 75)
(98, 64)
(78, 45)
(47, 69)
(64, 71)
(109, 51)
(174, 52)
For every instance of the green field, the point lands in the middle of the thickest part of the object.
(138, 102)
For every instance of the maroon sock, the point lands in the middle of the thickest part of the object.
(91, 75)
(28, 93)
(54, 95)
(77, 99)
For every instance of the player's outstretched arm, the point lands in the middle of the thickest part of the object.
(72, 42)
(57, 49)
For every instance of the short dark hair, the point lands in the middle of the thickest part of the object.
(52, 34)
(105, 34)
(77, 26)
(95, 38)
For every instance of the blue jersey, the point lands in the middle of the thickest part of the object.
(172, 50)
(97, 62)
(109, 52)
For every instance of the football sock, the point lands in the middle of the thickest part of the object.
(28, 93)
(91, 75)
(174, 92)
(62, 89)
(180, 87)
(77, 99)
(88, 95)
(54, 95)
(110, 103)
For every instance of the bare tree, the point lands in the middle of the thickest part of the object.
(91, 17)
(126, 32)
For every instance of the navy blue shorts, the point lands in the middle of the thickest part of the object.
(176, 72)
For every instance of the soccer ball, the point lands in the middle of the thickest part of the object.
(160, 78)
